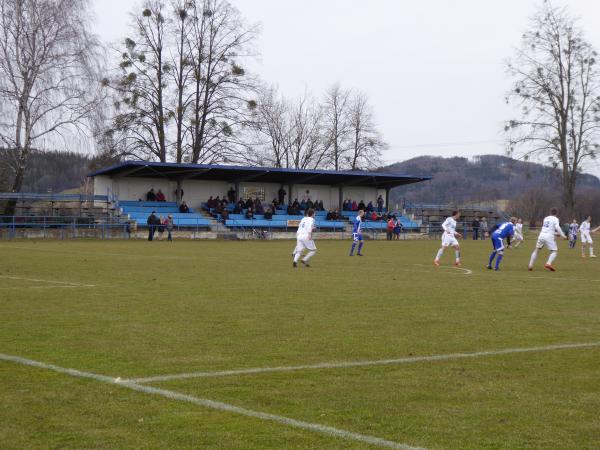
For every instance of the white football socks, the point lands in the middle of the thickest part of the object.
(552, 257)
(533, 257)
(310, 255)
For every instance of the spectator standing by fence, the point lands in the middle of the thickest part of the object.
(390, 229)
(397, 229)
(169, 226)
(475, 226)
(160, 227)
(483, 228)
(151, 222)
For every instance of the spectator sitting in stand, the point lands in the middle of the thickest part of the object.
(274, 204)
(294, 208)
(370, 207)
(210, 203)
(361, 205)
(183, 208)
(219, 209)
(310, 204)
(250, 213)
(268, 214)
(160, 197)
(354, 205)
(329, 215)
(241, 204)
(224, 215)
(336, 215)
(249, 203)
(373, 216)
(302, 205)
(151, 196)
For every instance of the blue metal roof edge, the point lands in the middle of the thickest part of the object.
(129, 163)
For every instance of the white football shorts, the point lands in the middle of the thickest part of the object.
(547, 241)
(302, 244)
(586, 238)
(448, 240)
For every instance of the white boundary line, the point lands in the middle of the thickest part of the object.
(211, 404)
(61, 284)
(381, 362)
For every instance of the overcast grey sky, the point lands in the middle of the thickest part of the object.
(433, 69)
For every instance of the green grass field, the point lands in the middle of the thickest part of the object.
(137, 309)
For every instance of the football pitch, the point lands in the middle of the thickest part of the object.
(187, 345)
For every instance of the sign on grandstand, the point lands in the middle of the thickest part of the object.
(254, 192)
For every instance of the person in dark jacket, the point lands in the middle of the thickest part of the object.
(231, 194)
(152, 222)
(475, 226)
(183, 208)
(151, 196)
(281, 194)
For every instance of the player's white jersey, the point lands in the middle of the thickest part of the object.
(519, 229)
(551, 227)
(305, 228)
(585, 227)
(449, 226)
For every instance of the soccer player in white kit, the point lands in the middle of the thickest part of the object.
(518, 233)
(550, 229)
(304, 239)
(586, 237)
(449, 236)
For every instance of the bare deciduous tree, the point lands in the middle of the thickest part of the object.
(48, 74)
(556, 88)
(365, 142)
(141, 110)
(336, 122)
(223, 91)
(184, 94)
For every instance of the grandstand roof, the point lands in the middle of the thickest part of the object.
(232, 174)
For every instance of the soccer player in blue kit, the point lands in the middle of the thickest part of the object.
(357, 236)
(506, 231)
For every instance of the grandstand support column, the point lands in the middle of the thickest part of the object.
(289, 199)
(340, 198)
(178, 192)
(237, 191)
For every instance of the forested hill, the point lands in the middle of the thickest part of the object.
(484, 178)
(57, 171)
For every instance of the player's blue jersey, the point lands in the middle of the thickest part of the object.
(357, 225)
(573, 229)
(504, 230)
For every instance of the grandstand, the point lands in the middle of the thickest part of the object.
(130, 181)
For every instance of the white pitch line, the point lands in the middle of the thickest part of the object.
(465, 271)
(63, 284)
(346, 364)
(323, 429)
